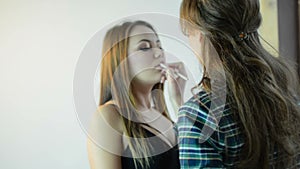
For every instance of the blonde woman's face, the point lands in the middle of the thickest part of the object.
(144, 55)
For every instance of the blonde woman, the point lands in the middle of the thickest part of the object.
(132, 128)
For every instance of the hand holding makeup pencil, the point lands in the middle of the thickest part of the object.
(176, 76)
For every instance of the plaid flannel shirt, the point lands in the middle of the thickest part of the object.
(205, 142)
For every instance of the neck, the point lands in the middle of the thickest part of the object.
(142, 96)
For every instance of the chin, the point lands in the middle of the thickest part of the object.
(150, 80)
(149, 77)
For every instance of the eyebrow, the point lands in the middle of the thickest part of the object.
(146, 40)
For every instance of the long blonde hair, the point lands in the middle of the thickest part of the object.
(115, 82)
(262, 90)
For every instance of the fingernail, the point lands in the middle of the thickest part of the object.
(161, 79)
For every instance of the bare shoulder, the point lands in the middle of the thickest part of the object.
(110, 114)
(104, 143)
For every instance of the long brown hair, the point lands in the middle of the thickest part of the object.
(115, 84)
(262, 90)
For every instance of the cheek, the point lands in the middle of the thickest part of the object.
(196, 47)
(195, 44)
(139, 62)
(144, 60)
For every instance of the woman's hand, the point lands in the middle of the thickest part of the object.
(176, 76)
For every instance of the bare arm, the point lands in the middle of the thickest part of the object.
(176, 84)
(105, 139)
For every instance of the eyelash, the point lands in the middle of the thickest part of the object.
(147, 48)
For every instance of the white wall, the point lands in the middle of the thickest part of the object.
(40, 42)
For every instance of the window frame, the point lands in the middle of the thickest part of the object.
(288, 29)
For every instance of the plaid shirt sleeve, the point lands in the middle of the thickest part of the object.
(202, 142)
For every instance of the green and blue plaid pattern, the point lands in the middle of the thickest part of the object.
(205, 142)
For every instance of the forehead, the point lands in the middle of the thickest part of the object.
(139, 32)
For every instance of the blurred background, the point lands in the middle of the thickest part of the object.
(40, 42)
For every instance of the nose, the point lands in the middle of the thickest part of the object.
(158, 53)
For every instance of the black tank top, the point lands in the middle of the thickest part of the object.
(166, 160)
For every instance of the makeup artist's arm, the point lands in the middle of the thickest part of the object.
(177, 77)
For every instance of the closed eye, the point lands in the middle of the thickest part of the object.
(145, 48)
(146, 45)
